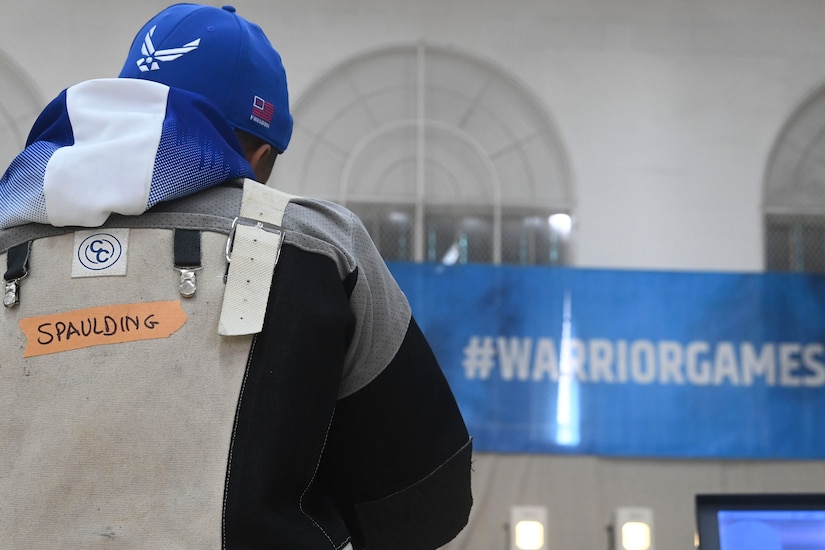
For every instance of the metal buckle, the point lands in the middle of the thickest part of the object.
(239, 220)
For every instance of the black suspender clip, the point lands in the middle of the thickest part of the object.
(188, 259)
(17, 267)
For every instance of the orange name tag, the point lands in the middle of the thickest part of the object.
(96, 326)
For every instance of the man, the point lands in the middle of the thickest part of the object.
(191, 359)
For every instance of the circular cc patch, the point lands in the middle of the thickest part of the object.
(100, 253)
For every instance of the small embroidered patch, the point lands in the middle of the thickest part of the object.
(112, 324)
(100, 253)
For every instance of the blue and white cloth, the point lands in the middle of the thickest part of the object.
(117, 146)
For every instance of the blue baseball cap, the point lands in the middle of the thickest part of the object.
(220, 55)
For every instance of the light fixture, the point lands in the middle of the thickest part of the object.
(527, 528)
(632, 529)
(561, 224)
(452, 255)
(398, 217)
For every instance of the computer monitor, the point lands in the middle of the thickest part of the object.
(758, 521)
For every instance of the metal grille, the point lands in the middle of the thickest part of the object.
(444, 157)
(794, 192)
(391, 228)
(795, 243)
(462, 234)
(532, 239)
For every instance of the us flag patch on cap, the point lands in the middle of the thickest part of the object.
(263, 109)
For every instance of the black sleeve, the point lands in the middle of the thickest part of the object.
(398, 458)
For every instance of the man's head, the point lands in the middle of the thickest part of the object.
(222, 56)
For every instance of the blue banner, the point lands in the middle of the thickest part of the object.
(629, 363)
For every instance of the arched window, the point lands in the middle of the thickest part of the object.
(444, 157)
(20, 103)
(794, 192)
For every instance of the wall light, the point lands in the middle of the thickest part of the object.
(527, 528)
(632, 529)
(561, 224)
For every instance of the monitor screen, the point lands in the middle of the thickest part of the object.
(761, 521)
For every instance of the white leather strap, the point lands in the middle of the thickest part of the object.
(255, 245)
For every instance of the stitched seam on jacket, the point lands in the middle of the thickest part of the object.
(309, 483)
(232, 441)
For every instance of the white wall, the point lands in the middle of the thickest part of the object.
(668, 110)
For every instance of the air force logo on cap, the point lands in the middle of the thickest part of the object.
(149, 61)
(100, 253)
